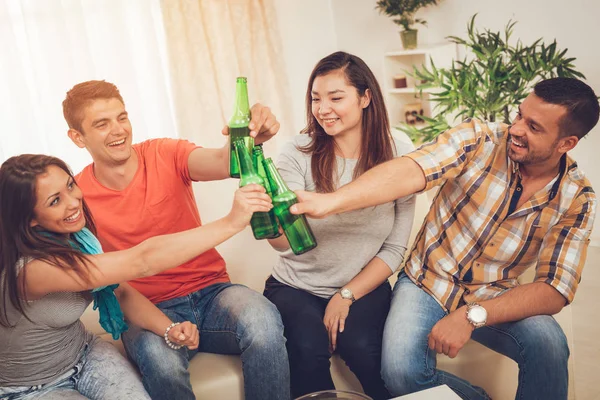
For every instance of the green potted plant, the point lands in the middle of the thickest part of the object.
(490, 82)
(403, 12)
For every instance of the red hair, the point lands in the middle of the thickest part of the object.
(81, 95)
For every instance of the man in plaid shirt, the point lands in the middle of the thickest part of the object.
(509, 198)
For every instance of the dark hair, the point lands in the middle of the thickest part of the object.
(376, 142)
(577, 97)
(18, 239)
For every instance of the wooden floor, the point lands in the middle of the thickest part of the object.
(586, 330)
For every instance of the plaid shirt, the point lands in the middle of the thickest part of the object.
(469, 249)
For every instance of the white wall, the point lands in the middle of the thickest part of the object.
(363, 31)
(308, 34)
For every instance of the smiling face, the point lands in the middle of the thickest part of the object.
(535, 136)
(58, 206)
(336, 105)
(105, 132)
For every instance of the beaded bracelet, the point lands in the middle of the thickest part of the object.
(166, 335)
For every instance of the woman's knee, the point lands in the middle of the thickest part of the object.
(306, 347)
(107, 373)
(360, 348)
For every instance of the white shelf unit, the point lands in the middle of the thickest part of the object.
(401, 62)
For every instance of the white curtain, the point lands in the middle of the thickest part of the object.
(47, 46)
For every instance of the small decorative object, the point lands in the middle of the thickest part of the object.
(413, 113)
(405, 11)
(400, 81)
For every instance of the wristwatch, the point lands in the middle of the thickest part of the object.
(346, 294)
(476, 315)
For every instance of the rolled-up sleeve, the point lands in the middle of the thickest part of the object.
(447, 155)
(564, 247)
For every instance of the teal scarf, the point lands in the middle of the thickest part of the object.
(105, 301)
(111, 315)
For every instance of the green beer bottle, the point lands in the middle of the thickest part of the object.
(263, 226)
(257, 161)
(238, 125)
(295, 227)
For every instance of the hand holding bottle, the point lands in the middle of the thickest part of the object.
(246, 201)
(295, 227)
(263, 125)
(315, 205)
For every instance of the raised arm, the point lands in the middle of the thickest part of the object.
(150, 257)
(386, 182)
(431, 165)
(213, 164)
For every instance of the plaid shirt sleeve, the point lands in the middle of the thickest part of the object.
(564, 247)
(447, 155)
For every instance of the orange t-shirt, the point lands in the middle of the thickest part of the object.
(159, 200)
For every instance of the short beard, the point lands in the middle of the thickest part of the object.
(534, 158)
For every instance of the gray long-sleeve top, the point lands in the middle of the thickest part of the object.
(347, 242)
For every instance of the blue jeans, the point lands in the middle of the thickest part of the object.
(232, 319)
(537, 344)
(308, 341)
(101, 373)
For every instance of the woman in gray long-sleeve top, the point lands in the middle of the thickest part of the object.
(336, 296)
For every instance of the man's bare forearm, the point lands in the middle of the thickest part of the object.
(537, 298)
(386, 182)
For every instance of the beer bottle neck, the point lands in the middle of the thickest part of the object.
(257, 161)
(278, 185)
(246, 167)
(242, 106)
(257, 158)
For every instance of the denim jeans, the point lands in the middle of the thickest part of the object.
(308, 341)
(537, 344)
(102, 373)
(232, 319)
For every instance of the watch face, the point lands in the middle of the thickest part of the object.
(346, 293)
(478, 314)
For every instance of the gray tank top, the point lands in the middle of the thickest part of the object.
(38, 351)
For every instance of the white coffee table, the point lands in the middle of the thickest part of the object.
(437, 393)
